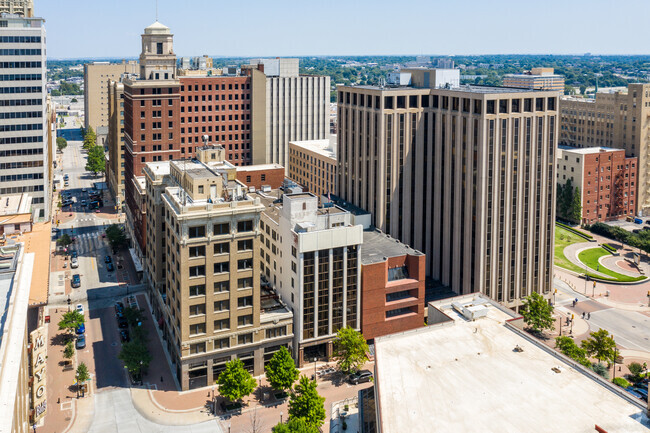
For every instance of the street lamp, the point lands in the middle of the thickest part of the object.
(315, 370)
(571, 332)
(280, 417)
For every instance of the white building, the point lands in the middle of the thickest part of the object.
(24, 151)
(311, 256)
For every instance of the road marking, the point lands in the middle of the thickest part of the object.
(92, 260)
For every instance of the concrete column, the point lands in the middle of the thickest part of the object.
(329, 321)
(345, 286)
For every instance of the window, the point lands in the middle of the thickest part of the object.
(221, 305)
(221, 267)
(245, 226)
(245, 245)
(197, 328)
(404, 294)
(245, 283)
(245, 339)
(197, 310)
(197, 348)
(244, 264)
(221, 286)
(276, 332)
(198, 290)
(221, 325)
(197, 271)
(245, 301)
(197, 251)
(245, 320)
(222, 229)
(399, 273)
(398, 312)
(159, 50)
(293, 251)
(222, 248)
(223, 343)
(196, 232)
(294, 267)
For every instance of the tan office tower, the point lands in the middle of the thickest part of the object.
(465, 174)
(96, 78)
(115, 140)
(203, 266)
(619, 120)
(297, 108)
(535, 79)
(18, 7)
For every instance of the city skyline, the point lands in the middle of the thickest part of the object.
(289, 28)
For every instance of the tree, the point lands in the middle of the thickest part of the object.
(568, 347)
(351, 349)
(306, 403)
(96, 160)
(636, 371)
(575, 213)
(116, 236)
(90, 139)
(537, 312)
(68, 352)
(295, 425)
(61, 143)
(135, 355)
(64, 240)
(281, 371)
(71, 320)
(600, 369)
(73, 100)
(81, 375)
(235, 382)
(133, 316)
(600, 346)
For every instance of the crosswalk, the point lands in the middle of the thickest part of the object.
(85, 219)
(88, 242)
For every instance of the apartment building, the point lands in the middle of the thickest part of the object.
(203, 269)
(392, 286)
(313, 165)
(311, 255)
(297, 108)
(25, 135)
(465, 175)
(607, 180)
(619, 120)
(536, 79)
(97, 78)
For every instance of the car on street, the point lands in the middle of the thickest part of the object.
(122, 323)
(107, 259)
(119, 307)
(83, 190)
(360, 376)
(110, 267)
(83, 202)
(76, 281)
(66, 183)
(80, 308)
(81, 329)
(81, 342)
(74, 263)
(74, 254)
(124, 336)
(67, 203)
(66, 177)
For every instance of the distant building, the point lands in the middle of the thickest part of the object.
(617, 120)
(313, 165)
(24, 8)
(96, 87)
(261, 176)
(536, 79)
(607, 180)
(446, 63)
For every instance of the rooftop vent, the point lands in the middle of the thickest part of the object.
(470, 310)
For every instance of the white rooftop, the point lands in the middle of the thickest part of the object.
(258, 167)
(588, 150)
(324, 147)
(463, 376)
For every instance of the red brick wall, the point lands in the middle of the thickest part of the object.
(272, 177)
(375, 287)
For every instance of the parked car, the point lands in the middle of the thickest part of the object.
(83, 202)
(74, 254)
(110, 267)
(81, 342)
(633, 392)
(124, 336)
(80, 308)
(122, 323)
(83, 190)
(66, 177)
(67, 203)
(360, 376)
(81, 329)
(74, 263)
(107, 259)
(643, 392)
(119, 307)
(76, 281)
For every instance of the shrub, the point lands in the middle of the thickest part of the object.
(609, 248)
(620, 382)
(600, 369)
(574, 231)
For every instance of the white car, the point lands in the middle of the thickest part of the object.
(74, 263)
(80, 308)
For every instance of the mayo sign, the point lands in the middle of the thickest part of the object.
(39, 351)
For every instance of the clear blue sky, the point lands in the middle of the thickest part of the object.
(112, 28)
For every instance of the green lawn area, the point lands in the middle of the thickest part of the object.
(564, 238)
(591, 256)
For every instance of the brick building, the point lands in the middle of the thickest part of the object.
(607, 180)
(257, 176)
(392, 286)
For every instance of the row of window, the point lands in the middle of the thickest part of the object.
(246, 86)
(23, 127)
(221, 248)
(21, 164)
(20, 102)
(20, 152)
(20, 65)
(18, 177)
(21, 115)
(20, 52)
(32, 89)
(220, 229)
(221, 267)
(220, 287)
(20, 77)
(221, 306)
(216, 108)
(21, 140)
(20, 39)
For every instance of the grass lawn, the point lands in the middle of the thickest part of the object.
(591, 256)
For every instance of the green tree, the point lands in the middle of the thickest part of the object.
(306, 403)
(64, 240)
(600, 369)
(575, 213)
(636, 371)
(90, 138)
(583, 89)
(82, 375)
(96, 160)
(135, 356)
(281, 370)
(68, 352)
(116, 236)
(568, 347)
(73, 100)
(61, 143)
(133, 316)
(235, 382)
(71, 320)
(295, 425)
(351, 349)
(600, 346)
(537, 312)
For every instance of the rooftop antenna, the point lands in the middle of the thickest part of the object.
(156, 10)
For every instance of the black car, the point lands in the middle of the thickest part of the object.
(124, 336)
(107, 259)
(360, 376)
(74, 254)
(81, 342)
(110, 267)
(119, 307)
(122, 323)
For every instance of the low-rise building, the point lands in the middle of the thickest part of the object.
(313, 165)
(606, 178)
(536, 79)
(310, 254)
(203, 269)
(261, 175)
(15, 214)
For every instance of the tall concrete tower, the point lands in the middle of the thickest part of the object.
(157, 60)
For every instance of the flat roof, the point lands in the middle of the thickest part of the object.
(15, 204)
(322, 147)
(378, 246)
(589, 150)
(465, 376)
(259, 167)
(466, 88)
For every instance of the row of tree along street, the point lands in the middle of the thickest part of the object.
(69, 323)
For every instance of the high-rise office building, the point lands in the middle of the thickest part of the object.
(203, 267)
(26, 154)
(297, 108)
(619, 120)
(312, 164)
(465, 174)
(24, 8)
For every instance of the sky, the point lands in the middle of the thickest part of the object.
(249, 28)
